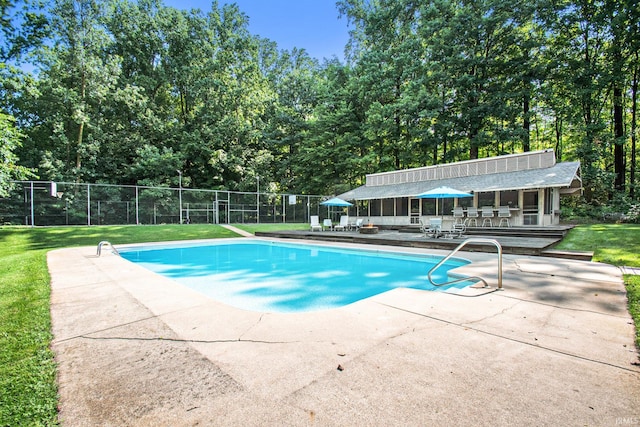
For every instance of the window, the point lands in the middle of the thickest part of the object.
(486, 198)
(375, 207)
(402, 206)
(446, 207)
(531, 200)
(509, 198)
(415, 207)
(465, 202)
(548, 200)
(388, 207)
(362, 207)
(530, 208)
(428, 207)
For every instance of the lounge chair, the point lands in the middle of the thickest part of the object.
(356, 226)
(315, 223)
(327, 224)
(344, 223)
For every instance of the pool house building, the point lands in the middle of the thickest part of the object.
(526, 186)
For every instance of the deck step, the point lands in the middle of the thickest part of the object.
(577, 255)
(541, 232)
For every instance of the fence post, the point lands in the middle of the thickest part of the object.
(216, 207)
(88, 204)
(137, 216)
(32, 208)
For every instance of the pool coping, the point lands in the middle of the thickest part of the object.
(555, 344)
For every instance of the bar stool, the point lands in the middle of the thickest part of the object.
(487, 216)
(472, 215)
(458, 215)
(504, 214)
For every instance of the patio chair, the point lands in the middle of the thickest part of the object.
(315, 223)
(434, 229)
(472, 215)
(456, 230)
(504, 214)
(344, 223)
(327, 224)
(487, 216)
(458, 215)
(358, 223)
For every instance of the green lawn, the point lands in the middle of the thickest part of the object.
(252, 228)
(633, 294)
(617, 244)
(28, 394)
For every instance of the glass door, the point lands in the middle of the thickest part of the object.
(530, 207)
(415, 211)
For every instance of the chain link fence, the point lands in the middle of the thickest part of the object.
(46, 203)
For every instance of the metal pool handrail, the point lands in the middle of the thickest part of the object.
(462, 279)
(104, 243)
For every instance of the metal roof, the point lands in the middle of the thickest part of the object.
(560, 175)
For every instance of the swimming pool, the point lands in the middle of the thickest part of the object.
(283, 277)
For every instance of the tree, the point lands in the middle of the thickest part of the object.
(9, 167)
(16, 41)
(23, 29)
(122, 83)
(142, 112)
(76, 82)
(294, 81)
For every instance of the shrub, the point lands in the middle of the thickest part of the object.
(633, 214)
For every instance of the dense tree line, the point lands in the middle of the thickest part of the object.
(132, 91)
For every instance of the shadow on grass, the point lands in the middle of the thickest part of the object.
(617, 244)
(60, 237)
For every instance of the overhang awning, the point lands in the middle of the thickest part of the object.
(562, 175)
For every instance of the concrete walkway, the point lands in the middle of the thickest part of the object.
(555, 347)
(237, 230)
(630, 270)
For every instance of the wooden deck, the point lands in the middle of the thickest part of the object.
(537, 241)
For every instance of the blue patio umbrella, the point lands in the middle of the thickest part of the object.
(336, 201)
(442, 193)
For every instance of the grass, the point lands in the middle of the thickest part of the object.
(633, 294)
(616, 244)
(28, 393)
(27, 370)
(252, 228)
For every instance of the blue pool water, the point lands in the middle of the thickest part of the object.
(274, 277)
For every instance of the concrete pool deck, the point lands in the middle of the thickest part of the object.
(555, 347)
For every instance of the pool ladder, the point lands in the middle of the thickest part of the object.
(462, 279)
(106, 243)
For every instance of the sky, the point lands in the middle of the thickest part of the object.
(314, 25)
